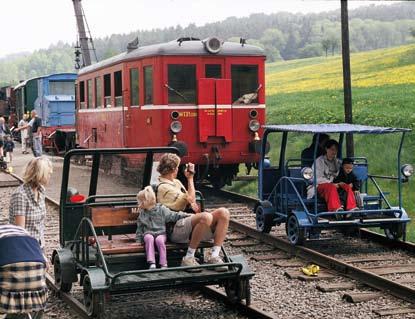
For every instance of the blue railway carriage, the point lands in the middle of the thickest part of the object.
(53, 98)
(283, 184)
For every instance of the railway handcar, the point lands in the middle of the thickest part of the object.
(206, 98)
(98, 247)
(283, 184)
(53, 98)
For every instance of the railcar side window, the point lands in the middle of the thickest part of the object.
(107, 90)
(61, 87)
(82, 94)
(89, 105)
(213, 71)
(148, 84)
(182, 83)
(134, 86)
(118, 88)
(244, 81)
(98, 92)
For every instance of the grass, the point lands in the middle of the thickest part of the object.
(383, 81)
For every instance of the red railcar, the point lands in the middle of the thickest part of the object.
(205, 97)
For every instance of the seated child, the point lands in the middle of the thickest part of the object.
(346, 176)
(151, 225)
(8, 148)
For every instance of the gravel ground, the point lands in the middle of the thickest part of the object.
(271, 289)
(292, 298)
(159, 304)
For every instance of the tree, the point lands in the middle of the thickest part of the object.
(412, 31)
(273, 41)
(326, 44)
(334, 43)
(310, 50)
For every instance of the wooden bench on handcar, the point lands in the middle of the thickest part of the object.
(116, 230)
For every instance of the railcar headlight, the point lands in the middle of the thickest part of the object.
(175, 127)
(254, 125)
(174, 115)
(212, 45)
(253, 114)
(407, 170)
(307, 173)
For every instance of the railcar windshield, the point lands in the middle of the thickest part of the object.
(244, 84)
(182, 83)
(213, 71)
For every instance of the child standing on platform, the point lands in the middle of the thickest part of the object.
(8, 148)
(151, 226)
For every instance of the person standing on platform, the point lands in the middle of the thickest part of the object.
(27, 203)
(4, 130)
(35, 123)
(8, 148)
(24, 133)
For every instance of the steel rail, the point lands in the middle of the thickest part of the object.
(73, 303)
(250, 311)
(212, 292)
(375, 281)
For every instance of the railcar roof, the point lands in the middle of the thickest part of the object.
(23, 83)
(177, 48)
(334, 128)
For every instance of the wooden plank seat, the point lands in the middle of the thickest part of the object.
(122, 219)
(125, 244)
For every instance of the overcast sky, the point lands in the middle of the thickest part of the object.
(28, 25)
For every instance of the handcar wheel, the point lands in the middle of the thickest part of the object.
(350, 231)
(394, 232)
(232, 291)
(295, 233)
(217, 181)
(93, 300)
(57, 270)
(264, 221)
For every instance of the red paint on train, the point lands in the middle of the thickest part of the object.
(177, 93)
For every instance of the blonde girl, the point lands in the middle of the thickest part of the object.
(151, 226)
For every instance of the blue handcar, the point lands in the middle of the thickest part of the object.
(283, 185)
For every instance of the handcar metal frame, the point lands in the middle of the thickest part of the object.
(82, 258)
(282, 189)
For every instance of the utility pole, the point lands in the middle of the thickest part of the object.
(347, 83)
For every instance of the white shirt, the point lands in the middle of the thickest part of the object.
(24, 131)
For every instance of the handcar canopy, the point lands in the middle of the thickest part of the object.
(334, 128)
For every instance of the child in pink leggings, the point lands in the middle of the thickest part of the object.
(151, 226)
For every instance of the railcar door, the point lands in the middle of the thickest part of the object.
(215, 109)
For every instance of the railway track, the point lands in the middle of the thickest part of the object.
(273, 248)
(372, 259)
(77, 306)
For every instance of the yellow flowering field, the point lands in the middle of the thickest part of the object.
(374, 68)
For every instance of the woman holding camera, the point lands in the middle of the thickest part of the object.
(197, 227)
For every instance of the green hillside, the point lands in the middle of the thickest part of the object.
(383, 81)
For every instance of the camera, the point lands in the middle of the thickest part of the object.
(187, 168)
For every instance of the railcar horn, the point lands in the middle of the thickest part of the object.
(212, 45)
